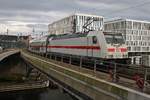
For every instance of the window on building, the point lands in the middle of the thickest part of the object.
(138, 48)
(146, 26)
(139, 37)
(131, 42)
(123, 25)
(136, 25)
(134, 43)
(128, 24)
(147, 48)
(134, 48)
(129, 48)
(127, 42)
(135, 32)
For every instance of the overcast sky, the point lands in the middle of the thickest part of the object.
(23, 15)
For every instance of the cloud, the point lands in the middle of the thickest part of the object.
(98, 5)
(27, 20)
(24, 15)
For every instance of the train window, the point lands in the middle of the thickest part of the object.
(114, 38)
(94, 39)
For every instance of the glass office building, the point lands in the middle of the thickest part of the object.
(136, 34)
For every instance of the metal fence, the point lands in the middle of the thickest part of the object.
(139, 74)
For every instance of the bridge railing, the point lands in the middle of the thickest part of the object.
(5, 50)
(140, 74)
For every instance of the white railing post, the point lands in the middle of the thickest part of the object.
(50, 56)
(95, 67)
(55, 58)
(145, 79)
(80, 63)
(115, 72)
(62, 58)
(70, 60)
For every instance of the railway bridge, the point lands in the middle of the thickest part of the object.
(85, 83)
(5, 54)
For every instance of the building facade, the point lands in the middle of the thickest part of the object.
(14, 41)
(75, 23)
(136, 34)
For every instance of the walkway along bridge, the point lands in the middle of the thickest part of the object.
(84, 82)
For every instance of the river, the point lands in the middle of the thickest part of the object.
(37, 94)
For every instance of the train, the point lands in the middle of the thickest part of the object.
(101, 45)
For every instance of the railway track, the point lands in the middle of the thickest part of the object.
(123, 70)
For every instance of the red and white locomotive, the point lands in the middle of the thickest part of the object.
(95, 44)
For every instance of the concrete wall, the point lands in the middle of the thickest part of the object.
(93, 87)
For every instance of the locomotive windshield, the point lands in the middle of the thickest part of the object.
(114, 38)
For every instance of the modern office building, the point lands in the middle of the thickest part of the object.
(136, 34)
(76, 23)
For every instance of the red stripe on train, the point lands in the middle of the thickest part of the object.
(111, 49)
(76, 47)
(72, 47)
(120, 49)
(123, 49)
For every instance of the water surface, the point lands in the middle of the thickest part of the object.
(38, 94)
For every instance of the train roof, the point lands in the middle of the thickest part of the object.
(108, 32)
(41, 39)
(76, 35)
(66, 36)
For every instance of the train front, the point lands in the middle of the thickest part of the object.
(116, 47)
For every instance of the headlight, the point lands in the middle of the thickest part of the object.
(110, 56)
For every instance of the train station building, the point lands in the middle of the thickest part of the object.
(136, 34)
